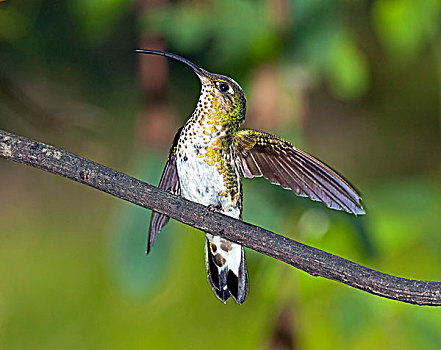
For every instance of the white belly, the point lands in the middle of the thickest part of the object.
(201, 182)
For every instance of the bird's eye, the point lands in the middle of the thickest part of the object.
(223, 87)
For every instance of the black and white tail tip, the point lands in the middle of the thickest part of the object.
(226, 269)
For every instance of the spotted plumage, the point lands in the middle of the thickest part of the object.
(208, 156)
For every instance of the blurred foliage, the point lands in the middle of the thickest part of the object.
(356, 83)
(189, 26)
(256, 35)
(405, 26)
(97, 18)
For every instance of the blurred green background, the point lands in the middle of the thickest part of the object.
(356, 83)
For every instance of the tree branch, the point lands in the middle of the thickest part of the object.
(311, 260)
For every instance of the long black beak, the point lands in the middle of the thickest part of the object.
(196, 69)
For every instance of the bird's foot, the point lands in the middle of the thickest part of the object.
(214, 208)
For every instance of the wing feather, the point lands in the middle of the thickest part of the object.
(262, 154)
(253, 167)
(169, 182)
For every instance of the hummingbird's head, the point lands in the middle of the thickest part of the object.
(225, 95)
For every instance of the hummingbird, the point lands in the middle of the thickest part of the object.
(207, 159)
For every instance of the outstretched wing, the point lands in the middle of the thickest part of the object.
(169, 182)
(262, 154)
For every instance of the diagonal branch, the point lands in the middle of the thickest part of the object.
(311, 260)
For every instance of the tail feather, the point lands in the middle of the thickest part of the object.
(226, 269)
